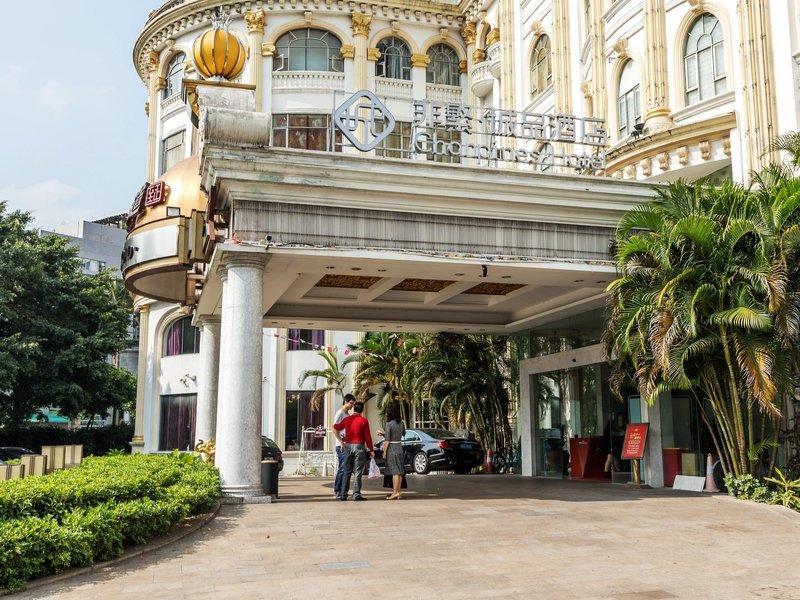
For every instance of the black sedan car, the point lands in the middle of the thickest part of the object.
(13, 452)
(271, 451)
(427, 450)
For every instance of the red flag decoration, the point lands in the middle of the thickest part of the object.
(399, 342)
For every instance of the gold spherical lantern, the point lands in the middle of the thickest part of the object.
(219, 53)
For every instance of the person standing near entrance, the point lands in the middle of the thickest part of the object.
(357, 439)
(393, 449)
(341, 414)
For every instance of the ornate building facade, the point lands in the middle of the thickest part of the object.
(279, 210)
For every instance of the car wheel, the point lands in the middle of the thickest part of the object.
(463, 470)
(420, 464)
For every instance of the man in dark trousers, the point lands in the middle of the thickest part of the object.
(357, 439)
(341, 415)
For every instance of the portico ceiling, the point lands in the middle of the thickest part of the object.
(355, 243)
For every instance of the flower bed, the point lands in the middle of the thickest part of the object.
(90, 513)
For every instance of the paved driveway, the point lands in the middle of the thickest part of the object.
(479, 536)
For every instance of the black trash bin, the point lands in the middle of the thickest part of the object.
(269, 477)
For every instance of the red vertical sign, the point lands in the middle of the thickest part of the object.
(635, 439)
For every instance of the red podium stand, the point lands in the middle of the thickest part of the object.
(586, 457)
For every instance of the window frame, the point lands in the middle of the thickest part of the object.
(450, 65)
(280, 130)
(401, 134)
(166, 151)
(333, 60)
(541, 55)
(182, 338)
(632, 96)
(172, 81)
(395, 49)
(704, 88)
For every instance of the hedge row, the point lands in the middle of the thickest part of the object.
(97, 441)
(90, 513)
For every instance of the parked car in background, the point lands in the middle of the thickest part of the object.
(271, 451)
(13, 452)
(427, 450)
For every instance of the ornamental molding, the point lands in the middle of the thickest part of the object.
(469, 33)
(698, 7)
(683, 155)
(373, 54)
(537, 27)
(621, 47)
(348, 51)
(268, 49)
(705, 150)
(255, 21)
(361, 24)
(462, 66)
(479, 55)
(152, 61)
(420, 60)
(493, 37)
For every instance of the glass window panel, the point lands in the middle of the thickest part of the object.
(705, 73)
(279, 138)
(691, 72)
(719, 61)
(308, 50)
(704, 59)
(298, 120)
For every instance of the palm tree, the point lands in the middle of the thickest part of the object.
(333, 379)
(707, 300)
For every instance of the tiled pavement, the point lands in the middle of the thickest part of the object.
(478, 536)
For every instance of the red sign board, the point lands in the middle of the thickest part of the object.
(635, 439)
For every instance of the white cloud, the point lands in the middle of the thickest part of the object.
(52, 202)
(60, 97)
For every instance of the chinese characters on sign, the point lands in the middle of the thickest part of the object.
(484, 134)
(635, 440)
(151, 194)
(487, 124)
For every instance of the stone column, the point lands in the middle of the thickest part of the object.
(361, 25)
(468, 34)
(561, 59)
(657, 91)
(419, 69)
(255, 27)
(208, 379)
(153, 88)
(348, 54)
(137, 443)
(268, 52)
(239, 418)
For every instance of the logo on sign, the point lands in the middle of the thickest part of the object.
(364, 120)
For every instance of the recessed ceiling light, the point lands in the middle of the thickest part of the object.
(381, 270)
(600, 281)
(458, 274)
(506, 276)
(355, 268)
(579, 281)
(292, 323)
(309, 323)
(330, 267)
(365, 325)
(381, 326)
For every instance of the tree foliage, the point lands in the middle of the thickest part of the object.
(708, 299)
(57, 327)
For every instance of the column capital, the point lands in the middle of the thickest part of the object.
(268, 49)
(233, 260)
(153, 60)
(348, 51)
(469, 34)
(479, 55)
(361, 24)
(493, 37)
(462, 66)
(204, 320)
(420, 60)
(255, 21)
(373, 54)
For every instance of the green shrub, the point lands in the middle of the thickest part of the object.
(747, 487)
(89, 513)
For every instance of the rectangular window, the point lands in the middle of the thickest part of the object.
(305, 132)
(172, 151)
(398, 143)
(178, 414)
(302, 420)
(444, 140)
(305, 339)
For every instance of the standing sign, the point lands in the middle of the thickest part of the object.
(635, 439)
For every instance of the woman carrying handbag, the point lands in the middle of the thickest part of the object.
(393, 451)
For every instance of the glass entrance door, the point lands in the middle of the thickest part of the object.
(550, 389)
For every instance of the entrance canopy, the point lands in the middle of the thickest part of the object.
(362, 243)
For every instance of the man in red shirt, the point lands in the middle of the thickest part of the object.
(357, 439)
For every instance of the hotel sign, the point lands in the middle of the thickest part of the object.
(483, 134)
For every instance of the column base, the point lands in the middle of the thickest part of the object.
(137, 444)
(244, 491)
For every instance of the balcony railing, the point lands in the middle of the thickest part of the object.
(443, 93)
(171, 104)
(325, 81)
(482, 79)
(494, 56)
(393, 88)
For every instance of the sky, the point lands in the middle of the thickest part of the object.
(73, 131)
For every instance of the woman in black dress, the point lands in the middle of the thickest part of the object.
(393, 449)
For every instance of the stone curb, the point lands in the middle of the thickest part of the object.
(182, 529)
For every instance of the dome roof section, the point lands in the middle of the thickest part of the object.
(182, 190)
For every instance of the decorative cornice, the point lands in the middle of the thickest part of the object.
(348, 51)
(373, 54)
(469, 33)
(420, 60)
(705, 149)
(664, 161)
(444, 32)
(361, 24)
(255, 21)
(698, 6)
(621, 47)
(537, 28)
(493, 37)
(683, 155)
(646, 165)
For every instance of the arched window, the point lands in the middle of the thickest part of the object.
(395, 60)
(174, 75)
(545, 157)
(541, 66)
(630, 112)
(181, 338)
(704, 59)
(308, 50)
(444, 66)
